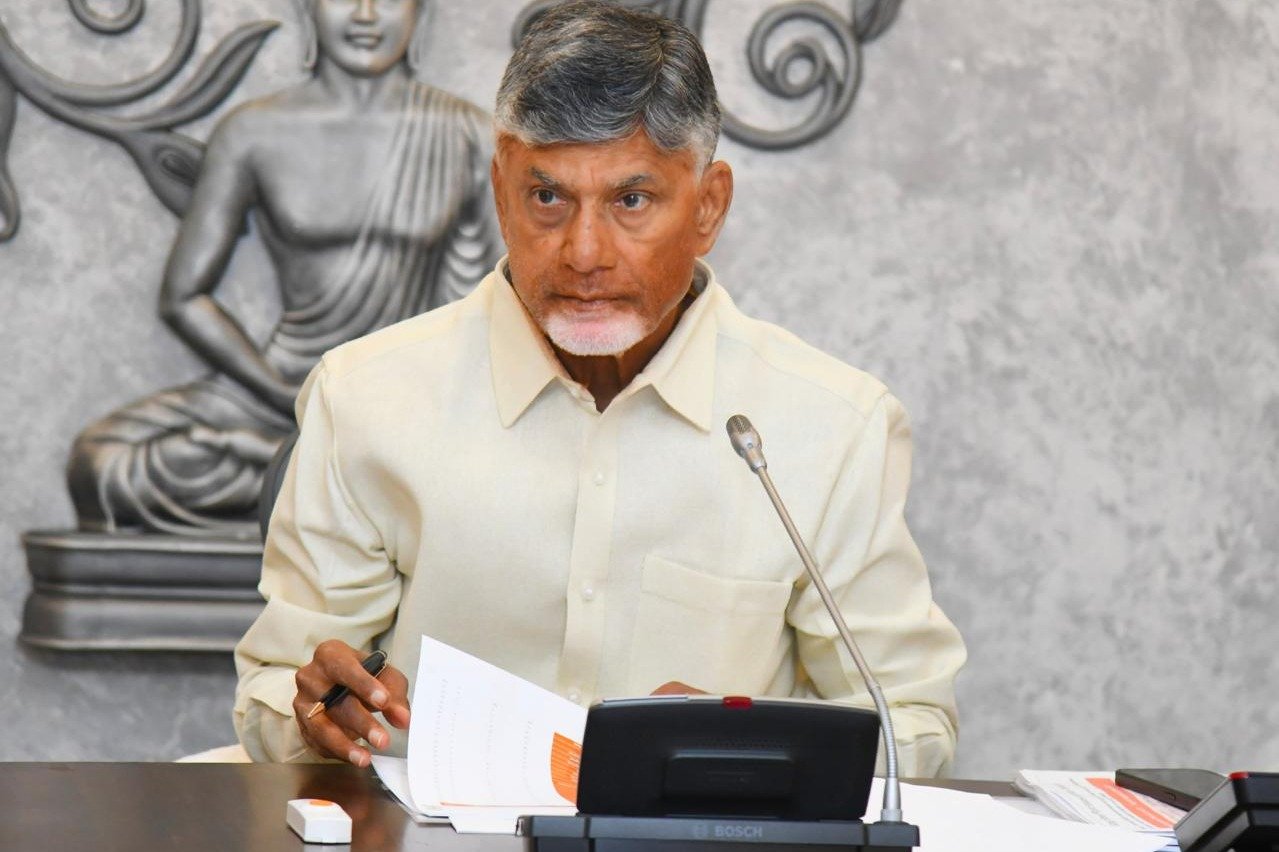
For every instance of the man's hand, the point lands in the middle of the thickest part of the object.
(335, 732)
(674, 687)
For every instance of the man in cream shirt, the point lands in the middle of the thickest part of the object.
(539, 475)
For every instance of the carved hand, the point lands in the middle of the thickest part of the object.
(244, 443)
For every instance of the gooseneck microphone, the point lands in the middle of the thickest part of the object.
(750, 446)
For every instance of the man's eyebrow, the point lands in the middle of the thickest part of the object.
(633, 180)
(626, 183)
(542, 177)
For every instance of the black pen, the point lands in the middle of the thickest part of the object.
(373, 664)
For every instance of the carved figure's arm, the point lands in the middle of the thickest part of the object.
(223, 195)
(475, 245)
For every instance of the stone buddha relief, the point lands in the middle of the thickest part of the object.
(370, 191)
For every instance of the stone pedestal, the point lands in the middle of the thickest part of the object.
(93, 591)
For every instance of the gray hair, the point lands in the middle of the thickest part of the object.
(311, 43)
(596, 72)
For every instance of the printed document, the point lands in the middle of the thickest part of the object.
(952, 821)
(485, 746)
(1095, 798)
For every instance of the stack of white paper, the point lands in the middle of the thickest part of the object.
(1095, 798)
(951, 821)
(485, 746)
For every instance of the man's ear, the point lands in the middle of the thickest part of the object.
(499, 196)
(715, 196)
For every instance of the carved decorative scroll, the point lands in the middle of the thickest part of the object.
(169, 161)
(9, 212)
(800, 69)
(108, 24)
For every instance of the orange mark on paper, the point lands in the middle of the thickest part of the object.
(566, 765)
(1132, 803)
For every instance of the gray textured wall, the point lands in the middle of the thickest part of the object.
(1052, 227)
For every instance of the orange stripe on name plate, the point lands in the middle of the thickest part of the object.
(1132, 803)
(566, 765)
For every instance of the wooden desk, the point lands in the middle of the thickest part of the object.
(229, 807)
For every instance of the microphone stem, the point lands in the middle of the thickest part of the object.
(892, 807)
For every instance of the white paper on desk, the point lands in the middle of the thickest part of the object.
(393, 772)
(495, 820)
(482, 738)
(1095, 798)
(952, 821)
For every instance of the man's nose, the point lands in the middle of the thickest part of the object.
(588, 245)
(365, 11)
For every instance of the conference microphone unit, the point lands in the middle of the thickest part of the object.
(733, 773)
(748, 444)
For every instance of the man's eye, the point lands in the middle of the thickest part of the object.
(634, 200)
(545, 196)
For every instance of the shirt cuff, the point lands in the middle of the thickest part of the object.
(265, 723)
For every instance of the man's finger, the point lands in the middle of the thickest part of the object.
(343, 666)
(323, 736)
(329, 740)
(313, 684)
(336, 731)
(351, 715)
(396, 709)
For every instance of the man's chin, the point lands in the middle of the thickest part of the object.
(594, 338)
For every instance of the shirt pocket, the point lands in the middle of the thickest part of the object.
(723, 635)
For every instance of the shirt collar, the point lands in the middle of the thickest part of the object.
(682, 372)
(523, 361)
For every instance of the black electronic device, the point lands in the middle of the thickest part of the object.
(1181, 788)
(741, 757)
(706, 834)
(1242, 815)
(722, 774)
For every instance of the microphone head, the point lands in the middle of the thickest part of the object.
(746, 441)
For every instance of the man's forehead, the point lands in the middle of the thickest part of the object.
(623, 162)
(626, 182)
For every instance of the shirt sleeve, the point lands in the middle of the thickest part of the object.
(878, 579)
(325, 575)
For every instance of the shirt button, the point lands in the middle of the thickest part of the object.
(599, 478)
(575, 696)
(588, 594)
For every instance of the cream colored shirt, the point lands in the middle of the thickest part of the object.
(451, 479)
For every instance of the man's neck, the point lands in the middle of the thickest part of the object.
(606, 376)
